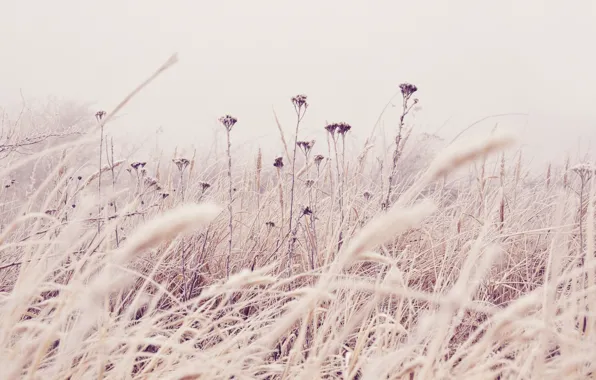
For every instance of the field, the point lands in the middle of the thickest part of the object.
(323, 263)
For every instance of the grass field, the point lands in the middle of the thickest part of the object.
(322, 263)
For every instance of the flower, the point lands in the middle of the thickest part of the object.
(279, 162)
(367, 195)
(407, 89)
(137, 165)
(299, 101)
(181, 163)
(310, 182)
(204, 186)
(151, 181)
(99, 115)
(343, 128)
(331, 128)
(318, 159)
(228, 121)
(306, 146)
(307, 211)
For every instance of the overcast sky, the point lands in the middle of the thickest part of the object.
(469, 59)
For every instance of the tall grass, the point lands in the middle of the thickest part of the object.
(437, 276)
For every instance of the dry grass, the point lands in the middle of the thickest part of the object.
(478, 277)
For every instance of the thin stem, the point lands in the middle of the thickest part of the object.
(230, 228)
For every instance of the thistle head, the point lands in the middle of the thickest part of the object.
(228, 121)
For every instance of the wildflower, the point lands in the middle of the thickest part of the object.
(310, 182)
(318, 159)
(270, 224)
(51, 212)
(407, 89)
(279, 162)
(99, 115)
(306, 146)
(164, 195)
(307, 211)
(228, 121)
(299, 101)
(204, 186)
(343, 128)
(137, 165)
(151, 181)
(584, 170)
(331, 128)
(367, 195)
(181, 163)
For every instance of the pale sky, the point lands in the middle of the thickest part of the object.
(469, 59)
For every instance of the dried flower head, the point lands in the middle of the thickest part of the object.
(164, 195)
(99, 115)
(310, 182)
(318, 159)
(204, 186)
(51, 212)
(279, 162)
(343, 128)
(584, 170)
(306, 211)
(270, 224)
(407, 89)
(181, 163)
(306, 146)
(299, 101)
(228, 121)
(151, 181)
(331, 128)
(367, 195)
(137, 165)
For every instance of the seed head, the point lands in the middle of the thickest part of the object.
(307, 211)
(99, 115)
(279, 162)
(310, 182)
(151, 181)
(306, 146)
(270, 225)
(299, 101)
(343, 128)
(164, 195)
(204, 185)
(137, 165)
(228, 121)
(181, 163)
(584, 170)
(407, 89)
(331, 128)
(318, 159)
(367, 195)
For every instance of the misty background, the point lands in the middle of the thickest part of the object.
(531, 60)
